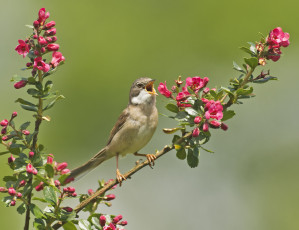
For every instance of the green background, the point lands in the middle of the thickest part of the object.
(252, 180)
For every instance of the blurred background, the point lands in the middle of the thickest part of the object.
(252, 180)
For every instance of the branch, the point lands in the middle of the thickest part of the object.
(128, 174)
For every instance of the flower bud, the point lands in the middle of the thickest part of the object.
(50, 159)
(215, 123)
(20, 84)
(26, 132)
(11, 159)
(35, 36)
(4, 123)
(50, 24)
(71, 189)
(102, 220)
(19, 195)
(117, 219)
(54, 39)
(42, 41)
(12, 191)
(57, 183)
(206, 90)
(65, 171)
(31, 154)
(68, 209)
(22, 183)
(110, 197)
(49, 39)
(224, 126)
(2, 189)
(28, 64)
(61, 166)
(14, 114)
(53, 47)
(3, 131)
(34, 171)
(197, 120)
(42, 50)
(195, 132)
(5, 138)
(29, 168)
(36, 53)
(205, 127)
(123, 223)
(69, 179)
(50, 32)
(13, 203)
(65, 190)
(74, 194)
(90, 192)
(36, 24)
(39, 187)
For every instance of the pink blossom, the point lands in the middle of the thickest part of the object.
(31, 154)
(11, 159)
(25, 132)
(274, 54)
(50, 159)
(42, 15)
(53, 47)
(23, 48)
(182, 96)
(90, 192)
(215, 123)
(61, 166)
(197, 120)
(117, 219)
(205, 127)
(56, 59)
(12, 191)
(20, 84)
(195, 132)
(29, 168)
(196, 83)
(41, 65)
(4, 123)
(22, 183)
(50, 24)
(110, 227)
(13, 203)
(39, 187)
(5, 138)
(183, 104)
(110, 197)
(213, 110)
(42, 41)
(123, 223)
(50, 32)
(102, 220)
(278, 37)
(162, 88)
(14, 114)
(65, 171)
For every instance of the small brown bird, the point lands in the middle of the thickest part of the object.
(132, 131)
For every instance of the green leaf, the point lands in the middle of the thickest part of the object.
(207, 150)
(40, 199)
(39, 86)
(252, 47)
(9, 178)
(3, 153)
(33, 92)
(192, 160)
(175, 139)
(181, 154)
(264, 80)
(24, 102)
(242, 91)
(67, 216)
(228, 114)
(17, 78)
(39, 224)
(52, 103)
(247, 50)
(50, 195)
(95, 221)
(252, 62)
(191, 111)
(182, 116)
(213, 93)
(50, 170)
(48, 86)
(84, 225)
(36, 211)
(172, 108)
(238, 68)
(25, 125)
(21, 209)
(69, 226)
(29, 108)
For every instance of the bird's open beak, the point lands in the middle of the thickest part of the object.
(150, 88)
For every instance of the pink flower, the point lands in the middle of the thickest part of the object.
(53, 47)
(205, 127)
(13, 203)
(196, 83)
(117, 219)
(39, 187)
(214, 110)
(197, 120)
(182, 96)
(14, 114)
(195, 132)
(50, 24)
(90, 192)
(11, 159)
(183, 104)
(12, 191)
(23, 48)
(162, 88)
(4, 123)
(65, 171)
(31, 154)
(42, 41)
(68, 209)
(50, 159)
(110, 227)
(61, 166)
(20, 84)
(5, 138)
(25, 132)
(51, 32)
(42, 15)
(29, 168)
(41, 65)
(215, 123)
(110, 197)
(278, 37)
(22, 183)
(56, 59)
(102, 220)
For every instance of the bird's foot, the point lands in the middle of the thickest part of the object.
(120, 177)
(150, 157)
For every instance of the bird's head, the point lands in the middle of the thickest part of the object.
(143, 91)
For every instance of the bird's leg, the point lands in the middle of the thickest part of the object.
(150, 157)
(119, 176)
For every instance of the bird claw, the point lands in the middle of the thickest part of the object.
(151, 159)
(120, 177)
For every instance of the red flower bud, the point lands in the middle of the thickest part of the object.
(224, 126)
(68, 209)
(36, 53)
(205, 127)
(71, 189)
(11, 159)
(195, 132)
(22, 183)
(36, 24)
(12, 191)
(14, 114)
(65, 171)
(117, 219)
(5, 138)
(2, 189)
(50, 32)
(29, 168)
(61, 166)
(53, 47)
(123, 223)
(42, 41)
(206, 90)
(4, 123)
(102, 220)
(35, 36)
(42, 50)
(57, 183)
(69, 179)
(28, 64)
(34, 171)
(13, 203)
(20, 84)
(50, 159)
(4, 130)
(90, 192)
(215, 123)
(110, 197)
(39, 187)
(50, 24)
(19, 195)
(26, 132)
(197, 120)
(54, 39)
(31, 154)
(65, 190)
(74, 194)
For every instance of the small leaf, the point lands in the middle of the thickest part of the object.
(95, 221)
(247, 50)
(33, 92)
(264, 80)
(191, 159)
(252, 62)
(228, 114)
(242, 91)
(25, 125)
(39, 224)
(36, 211)
(30, 26)
(175, 139)
(24, 102)
(50, 170)
(207, 150)
(69, 226)
(40, 199)
(181, 154)
(29, 108)
(9, 178)
(172, 108)
(171, 131)
(50, 195)
(238, 68)
(21, 209)
(5, 152)
(52, 103)
(191, 111)
(84, 225)
(46, 118)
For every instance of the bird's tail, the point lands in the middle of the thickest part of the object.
(82, 170)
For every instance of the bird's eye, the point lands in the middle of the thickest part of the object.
(140, 85)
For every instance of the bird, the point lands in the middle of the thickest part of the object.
(131, 132)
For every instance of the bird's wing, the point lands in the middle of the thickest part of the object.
(119, 124)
